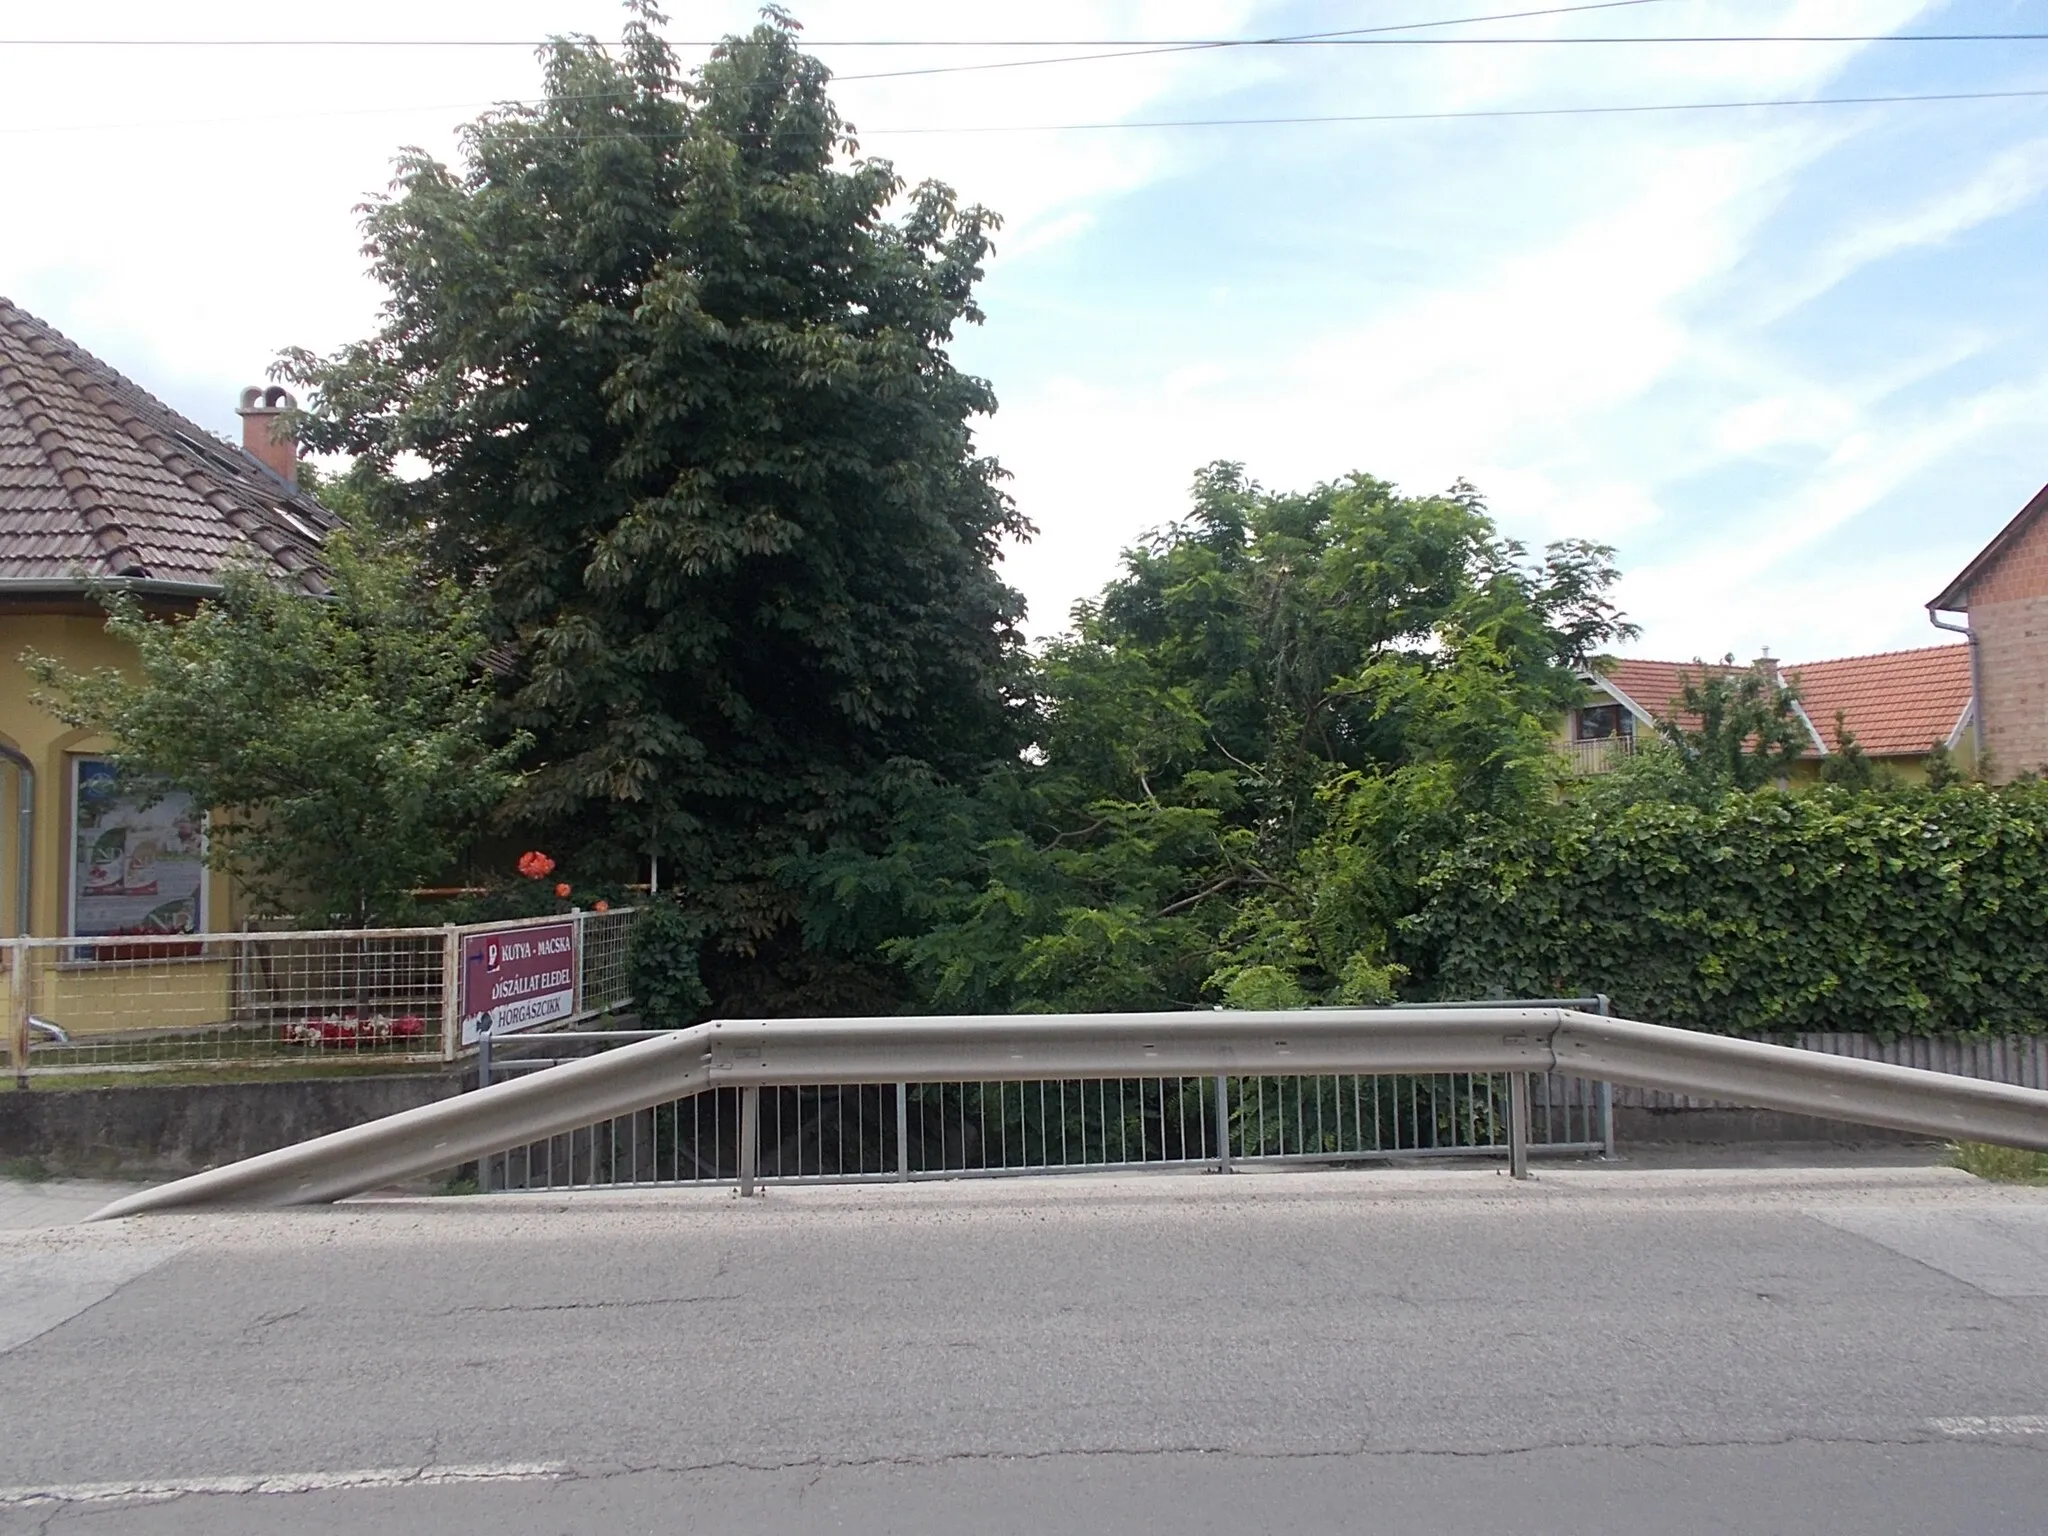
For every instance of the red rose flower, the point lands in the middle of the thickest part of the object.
(536, 865)
(562, 889)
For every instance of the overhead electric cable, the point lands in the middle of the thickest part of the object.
(1476, 112)
(861, 42)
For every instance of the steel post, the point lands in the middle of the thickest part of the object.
(1223, 1125)
(21, 1002)
(903, 1130)
(750, 1139)
(1602, 1007)
(483, 1080)
(1518, 1125)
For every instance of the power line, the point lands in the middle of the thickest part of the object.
(864, 42)
(1477, 112)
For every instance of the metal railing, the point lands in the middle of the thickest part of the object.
(864, 1132)
(749, 1056)
(143, 1002)
(845, 1132)
(1599, 754)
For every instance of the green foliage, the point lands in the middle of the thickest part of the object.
(1915, 912)
(674, 356)
(1249, 750)
(341, 742)
(1848, 766)
(1737, 730)
(2001, 1165)
(662, 967)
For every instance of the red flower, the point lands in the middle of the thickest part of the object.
(562, 889)
(535, 865)
(601, 905)
(408, 1026)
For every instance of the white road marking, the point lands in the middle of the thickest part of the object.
(2010, 1424)
(159, 1490)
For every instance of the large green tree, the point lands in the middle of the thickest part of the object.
(673, 356)
(1250, 749)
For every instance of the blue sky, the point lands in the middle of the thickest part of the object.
(1792, 362)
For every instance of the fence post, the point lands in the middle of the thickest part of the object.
(1518, 1125)
(451, 991)
(483, 1080)
(903, 1130)
(1223, 1125)
(576, 1004)
(21, 1003)
(750, 1139)
(1606, 1096)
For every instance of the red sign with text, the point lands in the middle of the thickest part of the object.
(519, 977)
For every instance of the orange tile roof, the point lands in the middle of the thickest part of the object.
(1657, 686)
(1897, 703)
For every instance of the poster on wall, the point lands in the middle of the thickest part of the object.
(136, 867)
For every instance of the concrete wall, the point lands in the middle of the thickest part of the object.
(182, 1128)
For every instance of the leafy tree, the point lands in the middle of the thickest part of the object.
(341, 742)
(673, 354)
(1737, 728)
(1249, 749)
(1848, 766)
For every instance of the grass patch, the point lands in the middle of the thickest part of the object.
(459, 1184)
(26, 1170)
(2003, 1165)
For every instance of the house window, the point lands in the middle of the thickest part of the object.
(1598, 722)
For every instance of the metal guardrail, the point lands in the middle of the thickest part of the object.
(750, 1055)
(820, 1133)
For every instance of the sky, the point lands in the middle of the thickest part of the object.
(1791, 362)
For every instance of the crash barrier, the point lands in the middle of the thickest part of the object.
(750, 1055)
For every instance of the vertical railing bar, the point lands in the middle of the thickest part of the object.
(1222, 1124)
(902, 1131)
(750, 1138)
(1518, 1125)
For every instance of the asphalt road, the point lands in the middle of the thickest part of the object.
(1778, 1350)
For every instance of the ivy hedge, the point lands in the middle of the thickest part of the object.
(1921, 912)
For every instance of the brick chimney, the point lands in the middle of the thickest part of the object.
(266, 432)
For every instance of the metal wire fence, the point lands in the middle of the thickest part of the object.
(137, 1004)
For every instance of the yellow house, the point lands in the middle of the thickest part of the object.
(102, 485)
(1898, 705)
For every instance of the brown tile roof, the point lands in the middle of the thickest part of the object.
(1897, 703)
(100, 479)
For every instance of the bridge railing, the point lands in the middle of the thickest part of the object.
(750, 1055)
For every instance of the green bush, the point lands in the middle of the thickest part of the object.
(662, 965)
(1919, 912)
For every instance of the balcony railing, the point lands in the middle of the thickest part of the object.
(1601, 755)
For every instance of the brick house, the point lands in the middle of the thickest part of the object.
(2003, 597)
(103, 485)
